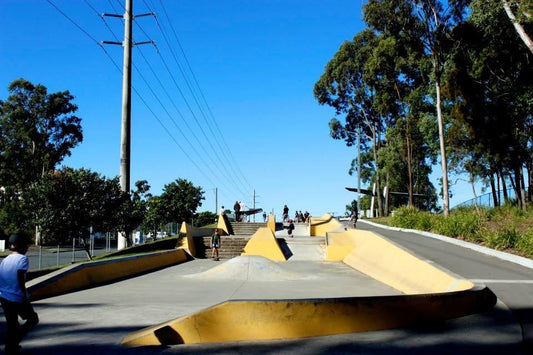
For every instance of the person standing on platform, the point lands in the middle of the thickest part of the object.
(285, 213)
(237, 209)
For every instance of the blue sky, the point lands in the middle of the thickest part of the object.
(251, 123)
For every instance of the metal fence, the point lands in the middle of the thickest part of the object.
(487, 200)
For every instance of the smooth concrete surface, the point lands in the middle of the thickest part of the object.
(96, 320)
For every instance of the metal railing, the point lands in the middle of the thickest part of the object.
(487, 200)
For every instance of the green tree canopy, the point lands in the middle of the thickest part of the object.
(178, 203)
(67, 203)
(37, 131)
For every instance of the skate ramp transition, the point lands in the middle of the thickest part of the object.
(430, 294)
(95, 273)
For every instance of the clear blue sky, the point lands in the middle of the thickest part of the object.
(255, 62)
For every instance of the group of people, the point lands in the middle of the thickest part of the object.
(299, 217)
(239, 207)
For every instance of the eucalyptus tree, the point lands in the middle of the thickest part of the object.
(345, 86)
(520, 12)
(430, 22)
(37, 131)
(491, 85)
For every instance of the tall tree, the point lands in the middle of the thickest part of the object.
(37, 131)
(345, 87)
(491, 86)
(430, 22)
(179, 201)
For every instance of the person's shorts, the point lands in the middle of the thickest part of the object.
(216, 245)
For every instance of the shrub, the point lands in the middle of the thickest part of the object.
(405, 217)
(524, 244)
(464, 223)
(505, 238)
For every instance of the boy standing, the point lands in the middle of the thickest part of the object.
(13, 294)
(215, 244)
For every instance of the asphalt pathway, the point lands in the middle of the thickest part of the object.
(510, 277)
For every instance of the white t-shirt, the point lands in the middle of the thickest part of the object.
(9, 285)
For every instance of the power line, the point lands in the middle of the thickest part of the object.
(232, 159)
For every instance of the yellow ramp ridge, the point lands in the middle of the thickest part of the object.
(264, 243)
(384, 261)
(241, 320)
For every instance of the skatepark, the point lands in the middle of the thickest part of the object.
(254, 303)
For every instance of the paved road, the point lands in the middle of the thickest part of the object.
(512, 283)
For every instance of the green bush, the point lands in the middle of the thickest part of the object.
(502, 239)
(406, 217)
(463, 223)
(524, 244)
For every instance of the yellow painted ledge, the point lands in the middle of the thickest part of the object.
(319, 226)
(95, 273)
(271, 223)
(264, 243)
(187, 243)
(386, 262)
(245, 320)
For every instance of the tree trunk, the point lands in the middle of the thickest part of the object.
(515, 182)
(378, 180)
(495, 196)
(472, 182)
(529, 178)
(444, 164)
(409, 163)
(522, 188)
(518, 27)
(504, 188)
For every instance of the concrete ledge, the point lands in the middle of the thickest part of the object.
(264, 243)
(241, 320)
(319, 226)
(91, 274)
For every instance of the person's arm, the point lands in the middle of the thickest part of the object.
(21, 278)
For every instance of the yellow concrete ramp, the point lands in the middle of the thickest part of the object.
(264, 243)
(242, 320)
(95, 273)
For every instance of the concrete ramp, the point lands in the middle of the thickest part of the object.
(241, 320)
